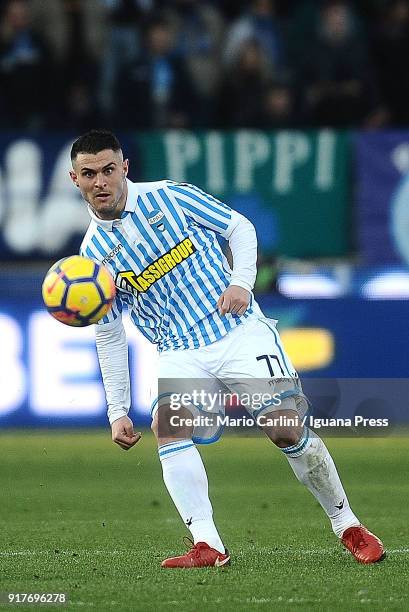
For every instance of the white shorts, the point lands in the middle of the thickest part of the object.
(249, 361)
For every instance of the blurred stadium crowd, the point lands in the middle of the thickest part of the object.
(68, 64)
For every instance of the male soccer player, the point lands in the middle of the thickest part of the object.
(158, 240)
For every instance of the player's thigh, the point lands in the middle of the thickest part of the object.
(181, 408)
(257, 352)
(188, 363)
(260, 372)
(180, 374)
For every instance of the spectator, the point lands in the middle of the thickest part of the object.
(71, 27)
(76, 32)
(244, 87)
(338, 77)
(391, 48)
(198, 37)
(169, 74)
(126, 19)
(258, 24)
(278, 106)
(24, 69)
(156, 91)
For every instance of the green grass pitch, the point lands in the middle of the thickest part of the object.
(79, 515)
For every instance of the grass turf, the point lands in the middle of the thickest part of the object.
(78, 515)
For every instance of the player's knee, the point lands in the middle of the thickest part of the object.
(283, 428)
(170, 424)
(283, 437)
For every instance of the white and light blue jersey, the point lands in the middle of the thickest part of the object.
(168, 266)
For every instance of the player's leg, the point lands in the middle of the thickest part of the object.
(184, 474)
(260, 354)
(314, 467)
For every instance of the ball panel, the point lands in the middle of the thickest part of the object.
(68, 318)
(77, 267)
(82, 297)
(53, 290)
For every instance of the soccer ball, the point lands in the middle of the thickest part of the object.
(78, 291)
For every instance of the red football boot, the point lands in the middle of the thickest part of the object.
(363, 544)
(200, 555)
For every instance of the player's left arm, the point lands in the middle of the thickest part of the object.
(234, 227)
(242, 238)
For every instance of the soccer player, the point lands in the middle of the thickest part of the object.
(158, 240)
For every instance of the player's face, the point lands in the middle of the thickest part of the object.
(101, 179)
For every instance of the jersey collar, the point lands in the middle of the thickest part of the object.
(130, 206)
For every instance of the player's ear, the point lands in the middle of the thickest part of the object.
(74, 178)
(125, 167)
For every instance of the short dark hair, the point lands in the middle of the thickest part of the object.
(95, 141)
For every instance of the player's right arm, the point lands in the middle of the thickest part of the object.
(112, 350)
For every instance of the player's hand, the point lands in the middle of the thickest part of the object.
(234, 300)
(123, 433)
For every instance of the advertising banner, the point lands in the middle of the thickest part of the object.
(382, 211)
(42, 214)
(292, 185)
(49, 372)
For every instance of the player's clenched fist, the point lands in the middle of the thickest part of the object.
(234, 300)
(123, 433)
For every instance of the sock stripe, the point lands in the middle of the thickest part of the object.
(173, 443)
(296, 449)
(167, 451)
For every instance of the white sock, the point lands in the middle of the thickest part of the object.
(186, 480)
(314, 467)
